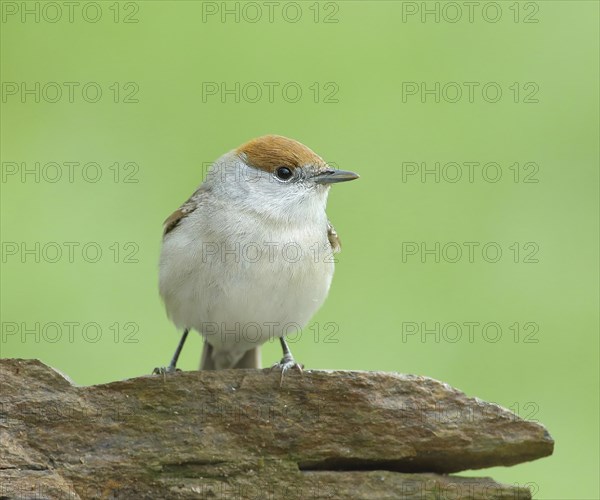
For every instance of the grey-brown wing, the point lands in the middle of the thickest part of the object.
(187, 208)
(333, 238)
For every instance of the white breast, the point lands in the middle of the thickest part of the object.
(240, 280)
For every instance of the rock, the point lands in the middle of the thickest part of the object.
(237, 433)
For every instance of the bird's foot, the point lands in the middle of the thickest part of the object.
(165, 370)
(287, 363)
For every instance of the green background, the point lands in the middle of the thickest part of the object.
(550, 375)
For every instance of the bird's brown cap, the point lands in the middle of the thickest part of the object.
(270, 152)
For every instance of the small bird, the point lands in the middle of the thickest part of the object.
(249, 256)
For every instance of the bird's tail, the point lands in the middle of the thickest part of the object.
(250, 359)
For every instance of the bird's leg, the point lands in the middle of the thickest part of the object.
(287, 361)
(173, 364)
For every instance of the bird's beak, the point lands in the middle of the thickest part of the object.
(333, 176)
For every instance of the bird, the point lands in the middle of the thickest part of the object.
(249, 256)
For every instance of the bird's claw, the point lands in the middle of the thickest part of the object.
(164, 371)
(287, 363)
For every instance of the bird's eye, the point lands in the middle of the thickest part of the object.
(284, 173)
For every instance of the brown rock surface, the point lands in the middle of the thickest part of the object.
(237, 434)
